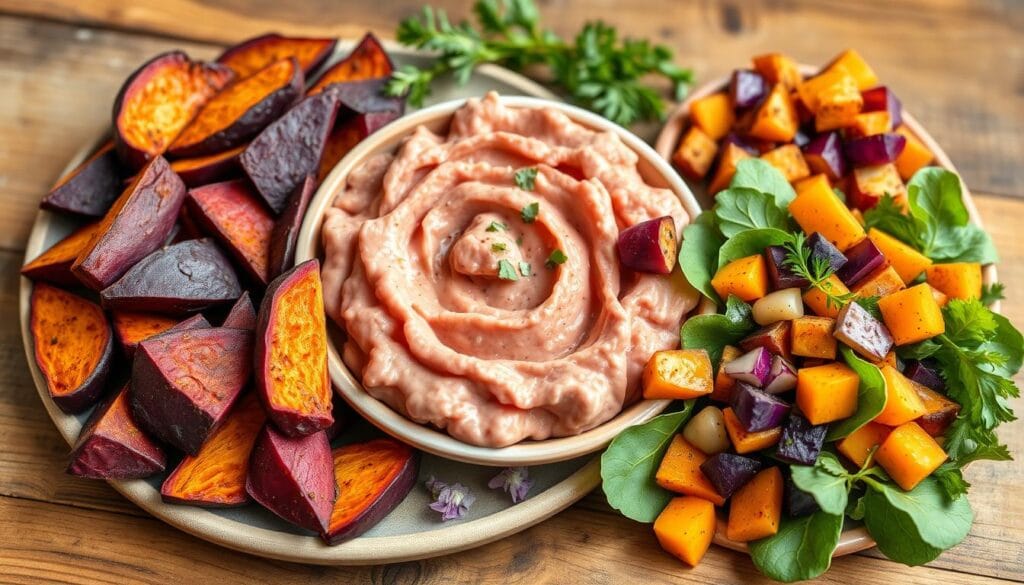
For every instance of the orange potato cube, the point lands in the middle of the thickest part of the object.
(902, 403)
(777, 68)
(695, 154)
(818, 209)
(680, 472)
(858, 445)
(746, 442)
(685, 528)
(810, 89)
(853, 64)
(713, 114)
(827, 393)
(747, 278)
(678, 374)
(870, 123)
(789, 161)
(909, 455)
(957, 280)
(812, 337)
(729, 157)
(818, 301)
(908, 262)
(912, 314)
(838, 105)
(724, 383)
(756, 508)
(871, 183)
(776, 119)
(915, 155)
(881, 282)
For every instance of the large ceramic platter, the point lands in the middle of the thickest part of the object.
(411, 531)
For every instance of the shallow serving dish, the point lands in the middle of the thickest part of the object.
(656, 172)
(855, 538)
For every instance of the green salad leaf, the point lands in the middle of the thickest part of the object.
(758, 175)
(827, 481)
(750, 242)
(698, 253)
(740, 208)
(801, 549)
(628, 466)
(992, 293)
(871, 396)
(713, 332)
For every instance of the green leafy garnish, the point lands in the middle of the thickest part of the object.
(800, 550)
(698, 253)
(758, 175)
(499, 247)
(992, 293)
(496, 226)
(555, 258)
(525, 269)
(597, 70)
(506, 271)
(817, 271)
(526, 179)
(713, 332)
(750, 242)
(739, 209)
(871, 397)
(826, 481)
(529, 213)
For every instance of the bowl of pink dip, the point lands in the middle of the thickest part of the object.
(469, 262)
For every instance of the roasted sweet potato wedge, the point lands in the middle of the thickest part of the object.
(285, 234)
(242, 314)
(293, 478)
(346, 135)
(373, 478)
(112, 446)
(132, 328)
(204, 170)
(241, 110)
(232, 213)
(368, 60)
(137, 224)
(185, 382)
(216, 476)
(73, 346)
(290, 148)
(366, 97)
(159, 100)
(54, 265)
(91, 188)
(189, 276)
(291, 352)
(250, 56)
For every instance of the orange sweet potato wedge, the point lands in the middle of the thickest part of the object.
(73, 346)
(204, 170)
(132, 328)
(112, 446)
(185, 382)
(159, 100)
(368, 60)
(90, 188)
(236, 217)
(293, 477)
(242, 314)
(254, 54)
(291, 352)
(241, 110)
(373, 478)
(137, 224)
(54, 265)
(215, 477)
(285, 234)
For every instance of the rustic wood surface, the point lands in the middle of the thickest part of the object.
(957, 64)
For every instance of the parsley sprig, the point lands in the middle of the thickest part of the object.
(597, 69)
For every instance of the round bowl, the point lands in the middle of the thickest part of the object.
(655, 171)
(854, 539)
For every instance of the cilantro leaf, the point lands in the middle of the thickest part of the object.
(499, 247)
(530, 212)
(526, 179)
(992, 293)
(525, 269)
(496, 226)
(506, 271)
(555, 258)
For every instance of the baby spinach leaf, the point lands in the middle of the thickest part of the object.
(713, 332)
(756, 174)
(750, 242)
(914, 527)
(871, 396)
(740, 208)
(698, 254)
(826, 481)
(628, 466)
(801, 549)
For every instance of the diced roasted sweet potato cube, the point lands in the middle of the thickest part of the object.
(827, 393)
(957, 280)
(838, 105)
(776, 118)
(869, 184)
(879, 283)
(915, 155)
(713, 114)
(812, 337)
(858, 445)
(729, 156)
(776, 338)
(789, 161)
(679, 471)
(777, 68)
(912, 314)
(112, 446)
(870, 123)
(909, 455)
(368, 60)
(819, 302)
(724, 383)
(940, 412)
(906, 261)
(747, 278)
(817, 209)
(695, 153)
(853, 64)
(902, 403)
(678, 374)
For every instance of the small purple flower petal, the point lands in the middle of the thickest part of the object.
(452, 501)
(514, 480)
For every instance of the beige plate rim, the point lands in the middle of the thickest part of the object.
(854, 539)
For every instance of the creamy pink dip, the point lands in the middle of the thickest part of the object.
(413, 247)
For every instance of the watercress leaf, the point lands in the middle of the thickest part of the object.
(713, 332)
(801, 549)
(918, 351)
(855, 507)
(915, 527)
(750, 242)
(740, 209)
(698, 254)
(629, 463)
(826, 481)
(888, 217)
(871, 396)
(968, 243)
(756, 174)
(1009, 343)
(935, 198)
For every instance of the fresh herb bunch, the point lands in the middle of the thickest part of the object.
(597, 70)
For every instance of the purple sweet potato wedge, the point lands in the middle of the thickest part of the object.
(112, 446)
(214, 168)
(91, 188)
(254, 54)
(291, 352)
(233, 214)
(136, 225)
(285, 235)
(54, 265)
(185, 382)
(242, 314)
(373, 478)
(189, 276)
(293, 478)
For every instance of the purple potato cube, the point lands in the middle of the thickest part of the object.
(882, 98)
(728, 472)
(822, 249)
(801, 441)
(925, 375)
(782, 276)
(862, 259)
(756, 409)
(865, 334)
(746, 88)
(824, 154)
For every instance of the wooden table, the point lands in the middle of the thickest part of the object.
(957, 64)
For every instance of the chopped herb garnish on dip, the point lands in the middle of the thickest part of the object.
(526, 179)
(499, 247)
(506, 271)
(496, 226)
(529, 213)
(525, 269)
(555, 258)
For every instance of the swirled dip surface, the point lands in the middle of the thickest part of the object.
(415, 246)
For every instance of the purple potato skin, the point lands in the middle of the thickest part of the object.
(925, 375)
(876, 149)
(756, 409)
(822, 248)
(139, 226)
(727, 472)
(775, 338)
(649, 246)
(370, 122)
(189, 276)
(798, 502)
(293, 478)
(215, 171)
(91, 188)
(271, 37)
(801, 441)
(289, 149)
(829, 148)
(168, 410)
(862, 259)
(882, 98)
(746, 88)
(256, 118)
(242, 314)
(104, 453)
(865, 334)
(386, 501)
(196, 321)
(366, 97)
(286, 230)
(782, 276)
